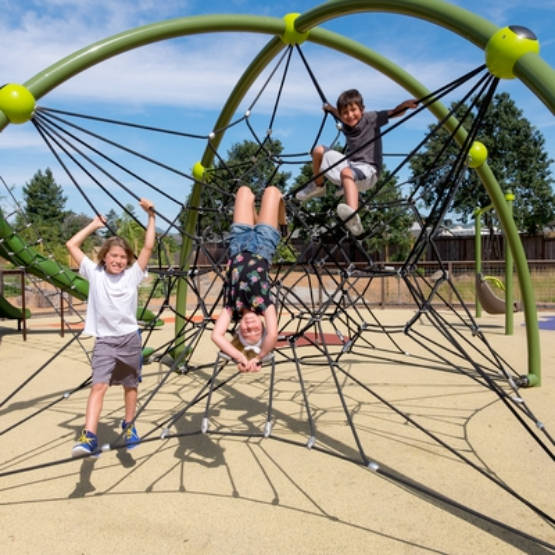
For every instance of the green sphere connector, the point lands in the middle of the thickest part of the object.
(291, 35)
(477, 155)
(506, 47)
(17, 103)
(198, 171)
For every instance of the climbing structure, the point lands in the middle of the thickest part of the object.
(322, 290)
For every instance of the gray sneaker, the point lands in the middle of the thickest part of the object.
(311, 191)
(354, 225)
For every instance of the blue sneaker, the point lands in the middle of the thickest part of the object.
(87, 445)
(131, 436)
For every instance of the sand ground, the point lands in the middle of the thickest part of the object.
(228, 493)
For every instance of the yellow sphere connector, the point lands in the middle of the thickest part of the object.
(291, 35)
(198, 171)
(477, 155)
(17, 103)
(506, 47)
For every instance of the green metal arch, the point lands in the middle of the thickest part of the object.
(533, 71)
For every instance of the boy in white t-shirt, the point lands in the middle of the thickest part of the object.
(111, 318)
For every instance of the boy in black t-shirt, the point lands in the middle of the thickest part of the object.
(358, 169)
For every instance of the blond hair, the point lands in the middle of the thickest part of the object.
(249, 353)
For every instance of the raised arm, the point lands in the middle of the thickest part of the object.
(331, 109)
(150, 233)
(270, 339)
(218, 336)
(410, 104)
(270, 319)
(74, 244)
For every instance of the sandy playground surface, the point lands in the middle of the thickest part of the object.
(228, 493)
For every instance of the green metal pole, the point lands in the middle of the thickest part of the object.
(467, 24)
(93, 54)
(484, 173)
(509, 312)
(527, 290)
(538, 76)
(534, 72)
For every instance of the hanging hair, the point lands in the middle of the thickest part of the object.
(250, 350)
(115, 241)
(351, 96)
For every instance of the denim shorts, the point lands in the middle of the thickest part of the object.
(260, 239)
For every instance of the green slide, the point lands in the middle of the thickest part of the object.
(8, 310)
(15, 249)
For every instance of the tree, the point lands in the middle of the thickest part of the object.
(516, 156)
(134, 233)
(72, 224)
(45, 205)
(43, 209)
(111, 222)
(130, 230)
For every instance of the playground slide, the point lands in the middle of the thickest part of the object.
(14, 249)
(489, 300)
(8, 310)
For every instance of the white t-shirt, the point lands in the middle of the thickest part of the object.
(112, 302)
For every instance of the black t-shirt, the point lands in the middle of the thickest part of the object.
(366, 130)
(247, 284)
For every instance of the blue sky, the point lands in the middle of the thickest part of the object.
(183, 83)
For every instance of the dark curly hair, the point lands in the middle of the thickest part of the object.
(351, 96)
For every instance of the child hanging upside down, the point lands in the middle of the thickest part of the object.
(358, 169)
(247, 301)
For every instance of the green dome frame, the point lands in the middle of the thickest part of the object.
(531, 69)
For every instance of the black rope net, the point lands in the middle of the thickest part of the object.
(323, 285)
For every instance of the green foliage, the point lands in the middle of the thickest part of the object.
(50, 224)
(130, 230)
(134, 234)
(389, 219)
(517, 157)
(111, 222)
(285, 253)
(45, 203)
(250, 164)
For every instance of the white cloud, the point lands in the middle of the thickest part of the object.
(197, 73)
(16, 136)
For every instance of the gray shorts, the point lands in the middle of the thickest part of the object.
(365, 175)
(118, 360)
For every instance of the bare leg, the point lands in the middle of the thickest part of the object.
(350, 188)
(244, 212)
(130, 398)
(317, 155)
(94, 406)
(272, 208)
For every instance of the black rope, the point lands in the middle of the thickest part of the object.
(344, 306)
